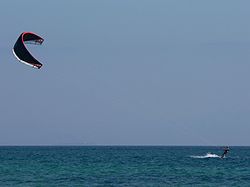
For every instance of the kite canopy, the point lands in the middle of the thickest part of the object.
(21, 52)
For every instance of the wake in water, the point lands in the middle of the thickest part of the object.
(208, 155)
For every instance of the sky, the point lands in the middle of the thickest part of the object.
(126, 72)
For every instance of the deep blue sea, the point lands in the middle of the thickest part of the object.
(123, 166)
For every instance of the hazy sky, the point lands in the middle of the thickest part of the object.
(127, 72)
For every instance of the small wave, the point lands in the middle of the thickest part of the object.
(208, 155)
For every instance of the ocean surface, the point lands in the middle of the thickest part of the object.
(123, 166)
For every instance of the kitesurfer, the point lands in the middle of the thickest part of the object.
(226, 150)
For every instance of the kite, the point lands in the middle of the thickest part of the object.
(21, 52)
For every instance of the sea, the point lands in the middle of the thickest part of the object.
(123, 166)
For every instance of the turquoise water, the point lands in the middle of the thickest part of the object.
(123, 166)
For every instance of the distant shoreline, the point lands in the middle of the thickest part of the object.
(75, 145)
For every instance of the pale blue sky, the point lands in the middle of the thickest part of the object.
(127, 72)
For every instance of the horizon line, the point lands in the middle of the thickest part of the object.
(114, 145)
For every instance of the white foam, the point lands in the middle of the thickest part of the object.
(208, 155)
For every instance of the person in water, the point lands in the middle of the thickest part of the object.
(226, 150)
